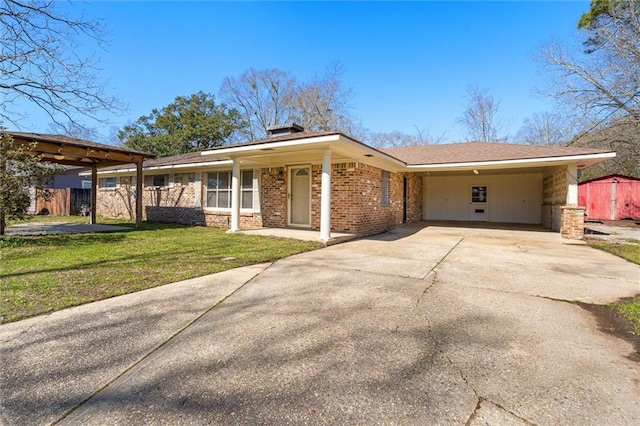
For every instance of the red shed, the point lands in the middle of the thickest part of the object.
(612, 197)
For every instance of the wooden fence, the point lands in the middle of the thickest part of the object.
(64, 201)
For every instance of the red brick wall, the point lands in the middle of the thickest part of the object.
(356, 207)
(273, 197)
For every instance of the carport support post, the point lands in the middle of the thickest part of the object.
(94, 193)
(235, 197)
(325, 198)
(572, 185)
(139, 178)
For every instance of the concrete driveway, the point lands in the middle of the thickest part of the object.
(422, 325)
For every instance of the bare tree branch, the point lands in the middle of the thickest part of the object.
(38, 63)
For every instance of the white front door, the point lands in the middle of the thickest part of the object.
(479, 203)
(300, 196)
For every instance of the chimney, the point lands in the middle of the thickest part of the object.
(284, 129)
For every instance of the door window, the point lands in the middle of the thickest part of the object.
(478, 194)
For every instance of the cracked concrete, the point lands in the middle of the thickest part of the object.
(422, 325)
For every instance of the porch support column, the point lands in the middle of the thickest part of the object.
(235, 197)
(325, 198)
(139, 193)
(572, 184)
(94, 193)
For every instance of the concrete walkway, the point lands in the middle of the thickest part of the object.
(422, 325)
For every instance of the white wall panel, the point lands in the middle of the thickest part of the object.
(512, 198)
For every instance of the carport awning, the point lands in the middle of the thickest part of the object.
(69, 151)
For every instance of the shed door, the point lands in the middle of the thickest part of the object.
(479, 205)
(300, 196)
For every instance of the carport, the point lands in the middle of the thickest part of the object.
(502, 183)
(70, 151)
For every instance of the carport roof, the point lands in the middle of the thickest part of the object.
(478, 152)
(76, 152)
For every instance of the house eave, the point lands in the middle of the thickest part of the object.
(583, 160)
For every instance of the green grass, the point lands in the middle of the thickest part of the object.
(629, 251)
(630, 310)
(47, 273)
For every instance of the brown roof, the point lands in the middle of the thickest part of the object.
(61, 139)
(290, 137)
(472, 152)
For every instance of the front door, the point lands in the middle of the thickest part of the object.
(479, 204)
(300, 196)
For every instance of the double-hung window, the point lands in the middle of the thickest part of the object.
(219, 190)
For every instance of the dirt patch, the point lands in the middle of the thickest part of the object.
(612, 322)
(613, 231)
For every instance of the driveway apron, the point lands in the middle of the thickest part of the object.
(422, 325)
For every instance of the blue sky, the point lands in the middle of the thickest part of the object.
(408, 63)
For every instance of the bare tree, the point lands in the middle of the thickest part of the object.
(272, 97)
(398, 139)
(38, 63)
(602, 80)
(480, 118)
(74, 130)
(323, 103)
(264, 98)
(621, 136)
(548, 128)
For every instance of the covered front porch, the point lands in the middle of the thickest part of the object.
(315, 184)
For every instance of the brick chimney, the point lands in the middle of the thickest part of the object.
(284, 129)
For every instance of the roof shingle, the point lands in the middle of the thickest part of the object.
(472, 152)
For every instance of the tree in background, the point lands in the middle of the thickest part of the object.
(621, 136)
(38, 63)
(74, 130)
(19, 170)
(263, 98)
(480, 118)
(548, 129)
(601, 80)
(188, 124)
(323, 103)
(398, 139)
(273, 97)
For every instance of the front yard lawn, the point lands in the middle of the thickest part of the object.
(630, 309)
(629, 251)
(47, 273)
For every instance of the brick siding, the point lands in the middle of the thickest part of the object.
(572, 222)
(356, 200)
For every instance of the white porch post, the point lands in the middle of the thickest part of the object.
(235, 196)
(325, 198)
(572, 185)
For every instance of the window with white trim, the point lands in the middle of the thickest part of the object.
(219, 190)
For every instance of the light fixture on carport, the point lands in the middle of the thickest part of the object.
(475, 172)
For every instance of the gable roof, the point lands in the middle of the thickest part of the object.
(477, 152)
(454, 156)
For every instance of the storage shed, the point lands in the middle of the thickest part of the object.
(613, 197)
